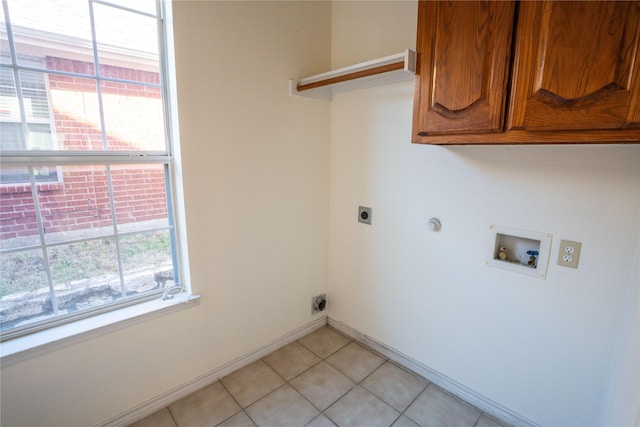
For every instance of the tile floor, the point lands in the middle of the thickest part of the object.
(323, 379)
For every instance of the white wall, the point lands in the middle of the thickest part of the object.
(541, 348)
(622, 398)
(256, 187)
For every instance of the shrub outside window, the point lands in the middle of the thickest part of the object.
(86, 205)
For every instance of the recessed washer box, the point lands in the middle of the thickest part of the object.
(520, 251)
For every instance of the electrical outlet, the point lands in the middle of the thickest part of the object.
(569, 253)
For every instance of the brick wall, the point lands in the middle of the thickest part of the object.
(17, 214)
(79, 200)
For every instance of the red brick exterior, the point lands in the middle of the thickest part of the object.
(80, 199)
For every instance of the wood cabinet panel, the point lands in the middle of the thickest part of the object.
(463, 65)
(576, 66)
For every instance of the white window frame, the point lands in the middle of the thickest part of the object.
(126, 307)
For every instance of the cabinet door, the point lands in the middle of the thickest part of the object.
(463, 53)
(576, 66)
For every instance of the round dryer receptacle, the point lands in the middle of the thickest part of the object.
(319, 303)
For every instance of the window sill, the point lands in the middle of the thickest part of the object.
(23, 348)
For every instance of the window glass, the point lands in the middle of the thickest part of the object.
(127, 44)
(19, 223)
(4, 43)
(78, 208)
(86, 220)
(9, 108)
(147, 261)
(85, 274)
(35, 101)
(133, 117)
(11, 137)
(24, 292)
(51, 29)
(34, 94)
(76, 112)
(17, 177)
(140, 197)
(146, 6)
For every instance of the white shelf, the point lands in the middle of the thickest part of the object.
(396, 68)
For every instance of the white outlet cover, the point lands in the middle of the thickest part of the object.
(544, 251)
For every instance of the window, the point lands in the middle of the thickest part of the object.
(36, 106)
(37, 118)
(86, 205)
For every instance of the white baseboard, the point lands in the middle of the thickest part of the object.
(492, 408)
(481, 402)
(183, 390)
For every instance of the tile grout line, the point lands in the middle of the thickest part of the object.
(175, 422)
(355, 383)
(360, 383)
(237, 403)
(479, 416)
(322, 412)
(288, 382)
(415, 398)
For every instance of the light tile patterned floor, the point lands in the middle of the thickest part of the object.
(322, 380)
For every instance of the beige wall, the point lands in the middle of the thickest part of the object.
(258, 170)
(541, 348)
(255, 165)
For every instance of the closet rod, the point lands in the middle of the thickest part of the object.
(352, 76)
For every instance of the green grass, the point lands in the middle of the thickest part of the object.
(25, 271)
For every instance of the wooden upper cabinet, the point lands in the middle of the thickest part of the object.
(463, 60)
(576, 66)
(529, 72)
